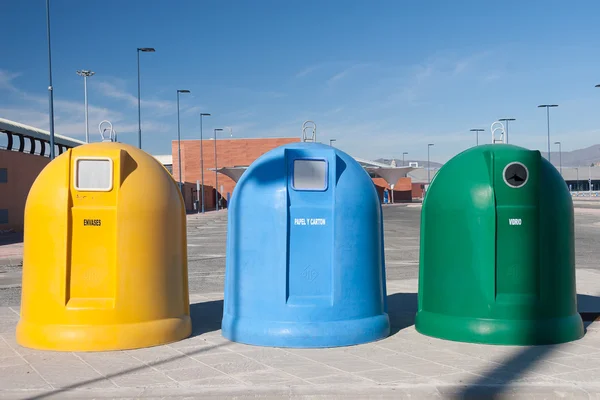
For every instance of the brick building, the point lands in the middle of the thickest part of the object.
(24, 153)
(241, 153)
(230, 153)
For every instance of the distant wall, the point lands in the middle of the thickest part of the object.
(418, 190)
(243, 152)
(230, 153)
(20, 171)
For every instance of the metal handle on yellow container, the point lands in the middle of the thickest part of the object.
(112, 134)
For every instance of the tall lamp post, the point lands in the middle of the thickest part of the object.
(403, 154)
(477, 135)
(548, 122)
(202, 158)
(50, 88)
(85, 73)
(559, 156)
(216, 172)
(428, 178)
(144, 50)
(507, 120)
(179, 137)
(331, 142)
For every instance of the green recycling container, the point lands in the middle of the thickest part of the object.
(497, 258)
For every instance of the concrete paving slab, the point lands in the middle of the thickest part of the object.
(405, 360)
(404, 365)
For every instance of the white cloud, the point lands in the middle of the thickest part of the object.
(492, 76)
(461, 66)
(423, 72)
(7, 78)
(346, 72)
(275, 95)
(239, 114)
(308, 70)
(333, 111)
(33, 118)
(69, 116)
(193, 110)
(253, 95)
(417, 84)
(110, 90)
(465, 63)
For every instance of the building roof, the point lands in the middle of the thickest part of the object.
(164, 159)
(583, 173)
(16, 128)
(235, 173)
(390, 173)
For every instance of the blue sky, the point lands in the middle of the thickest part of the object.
(380, 77)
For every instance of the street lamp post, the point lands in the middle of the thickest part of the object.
(403, 154)
(507, 120)
(145, 50)
(202, 158)
(85, 74)
(216, 172)
(179, 137)
(559, 156)
(331, 142)
(428, 178)
(50, 88)
(477, 135)
(577, 181)
(548, 122)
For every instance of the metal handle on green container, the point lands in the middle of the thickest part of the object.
(502, 132)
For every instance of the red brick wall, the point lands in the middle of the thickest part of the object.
(22, 169)
(242, 152)
(230, 152)
(417, 190)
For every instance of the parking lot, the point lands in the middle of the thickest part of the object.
(405, 364)
(207, 235)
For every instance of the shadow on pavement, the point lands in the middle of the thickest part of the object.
(589, 308)
(11, 238)
(402, 308)
(125, 372)
(494, 383)
(206, 317)
(497, 381)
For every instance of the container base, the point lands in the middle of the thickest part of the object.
(305, 334)
(500, 331)
(102, 337)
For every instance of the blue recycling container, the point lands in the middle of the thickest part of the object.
(305, 261)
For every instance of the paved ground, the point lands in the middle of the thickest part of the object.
(406, 364)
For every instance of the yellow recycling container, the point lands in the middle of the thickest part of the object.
(105, 253)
